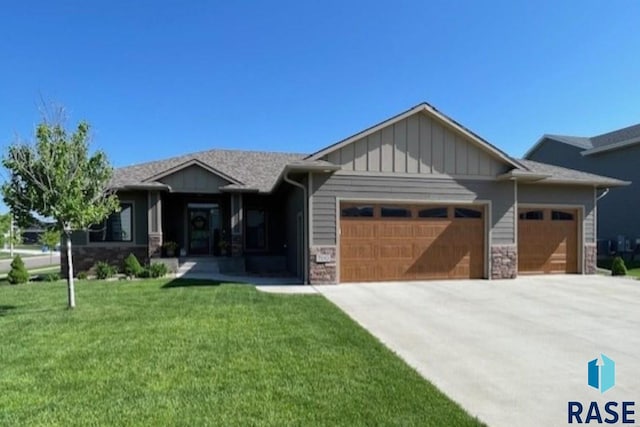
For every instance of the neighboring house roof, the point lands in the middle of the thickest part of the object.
(250, 170)
(261, 171)
(559, 175)
(596, 144)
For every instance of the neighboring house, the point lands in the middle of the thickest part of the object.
(614, 153)
(417, 196)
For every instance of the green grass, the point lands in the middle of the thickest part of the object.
(193, 353)
(633, 266)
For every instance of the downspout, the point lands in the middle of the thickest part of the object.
(305, 249)
(606, 191)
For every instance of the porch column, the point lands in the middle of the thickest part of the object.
(154, 222)
(237, 224)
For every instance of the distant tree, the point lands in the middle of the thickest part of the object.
(50, 239)
(5, 231)
(56, 177)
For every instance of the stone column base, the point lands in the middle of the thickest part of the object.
(504, 261)
(85, 257)
(155, 245)
(590, 258)
(322, 265)
(236, 245)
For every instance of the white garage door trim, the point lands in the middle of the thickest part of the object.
(477, 202)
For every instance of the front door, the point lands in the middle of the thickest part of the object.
(204, 228)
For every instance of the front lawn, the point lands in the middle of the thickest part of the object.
(190, 353)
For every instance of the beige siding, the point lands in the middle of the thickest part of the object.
(417, 144)
(194, 179)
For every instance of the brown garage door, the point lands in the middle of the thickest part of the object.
(408, 242)
(547, 241)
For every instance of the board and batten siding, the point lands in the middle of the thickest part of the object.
(194, 179)
(328, 188)
(417, 144)
(571, 195)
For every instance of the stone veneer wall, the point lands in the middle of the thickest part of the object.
(504, 261)
(155, 245)
(590, 258)
(85, 257)
(236, 245)
(322, 271)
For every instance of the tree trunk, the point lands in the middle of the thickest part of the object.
(71, 292)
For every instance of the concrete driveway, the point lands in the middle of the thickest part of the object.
(510, 352)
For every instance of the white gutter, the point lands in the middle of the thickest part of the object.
(305, 248)
(606, 191)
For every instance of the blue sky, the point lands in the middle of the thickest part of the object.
(161, 78)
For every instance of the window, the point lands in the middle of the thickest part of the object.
(467, 213)
(395, 212)
(117, 228)
(433, 213)
(561, 216)
(531, 215)
(256, 229)
(357, 211)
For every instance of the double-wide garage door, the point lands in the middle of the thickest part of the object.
(547, 241)
(381, 242)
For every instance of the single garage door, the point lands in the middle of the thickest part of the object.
(381, 242)
(547, 241)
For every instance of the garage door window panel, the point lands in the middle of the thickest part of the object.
(432, 213)
(533, 215)
(358, 211)
(561, 216)
(395, 212)
(468, 213)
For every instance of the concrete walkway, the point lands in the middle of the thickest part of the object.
(511, 352)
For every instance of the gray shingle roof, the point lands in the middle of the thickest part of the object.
(599, 141)
(253, 169)
(619, 135)
(560, 174)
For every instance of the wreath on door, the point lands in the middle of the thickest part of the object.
(199, 222)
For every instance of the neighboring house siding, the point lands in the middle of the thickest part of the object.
(417, 144)
(194, 179)
(421, 189)
(617, 211)
(562, 195)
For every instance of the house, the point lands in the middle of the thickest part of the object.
(417, 196)
(614, 153)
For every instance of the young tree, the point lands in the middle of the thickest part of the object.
(50, 238)
(56, 177)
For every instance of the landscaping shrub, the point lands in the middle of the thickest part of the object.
(158, 269)
(144, 273)
(132, 267)
(50, 277)
(18, 273)
(104, 270)
(618, 268)
(82, 275)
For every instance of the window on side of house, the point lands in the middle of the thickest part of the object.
(256, 229)
(118, 227)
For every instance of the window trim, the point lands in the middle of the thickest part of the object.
(245, 212)
(132, 242)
